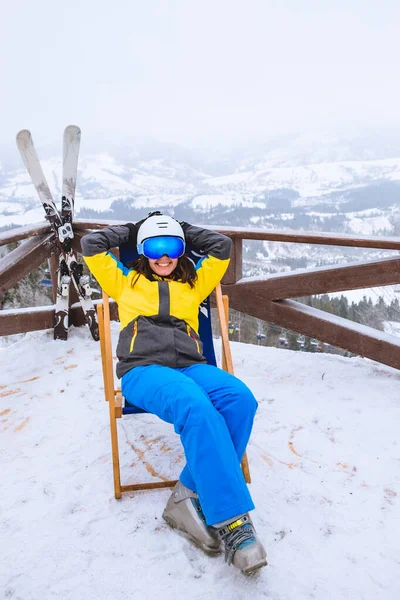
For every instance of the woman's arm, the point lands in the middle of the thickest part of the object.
(108, 271)
(217, 249)
(207, 241)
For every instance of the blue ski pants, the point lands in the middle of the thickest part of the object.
(213, 413)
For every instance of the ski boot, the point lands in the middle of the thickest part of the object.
(242, 548)
(183, 512)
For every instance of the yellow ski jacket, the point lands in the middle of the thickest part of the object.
(159, 319)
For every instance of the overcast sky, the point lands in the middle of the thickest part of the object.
(197, 71)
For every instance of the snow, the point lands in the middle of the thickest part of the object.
(311, 180)
(12, 208)
(230, 179)
(369, 226)
(12, 312)
(33, 215)
(392, 327)
(103, 179)
(208, 201)
(323, 455)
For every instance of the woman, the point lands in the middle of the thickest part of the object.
(164, 372)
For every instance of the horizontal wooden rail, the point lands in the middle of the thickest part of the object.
(21, 320)
(277, 235)
(309, 237)
(342, 333)
(360, 339)
(23, 260)
(236, 233)
(322, 280)
(21, 233)
(136, 487)
(93, 224)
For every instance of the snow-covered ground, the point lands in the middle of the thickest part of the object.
(392, 327)
(324, 458)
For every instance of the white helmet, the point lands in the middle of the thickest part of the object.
(158, 225)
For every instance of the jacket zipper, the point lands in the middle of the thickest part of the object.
(193, 338)
(135, 327)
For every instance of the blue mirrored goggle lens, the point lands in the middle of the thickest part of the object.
(156, 247)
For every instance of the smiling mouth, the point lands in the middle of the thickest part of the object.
(164, 264)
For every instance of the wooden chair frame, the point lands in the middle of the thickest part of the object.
(114, 396)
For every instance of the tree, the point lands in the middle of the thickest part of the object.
(28, 291)
(292, 339)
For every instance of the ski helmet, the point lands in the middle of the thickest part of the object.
(164, 228)
(159, 225)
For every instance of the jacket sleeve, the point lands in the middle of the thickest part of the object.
(217, 249)
(109, 272)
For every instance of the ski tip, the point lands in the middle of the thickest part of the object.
(72, 129)
(24, 133)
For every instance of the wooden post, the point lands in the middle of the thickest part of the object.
(235, 270)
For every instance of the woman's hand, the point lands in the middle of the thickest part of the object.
(133, 231)
(134, 227)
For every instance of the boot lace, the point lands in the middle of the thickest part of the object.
(234, 539)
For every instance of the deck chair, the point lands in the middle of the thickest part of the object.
(119, 407)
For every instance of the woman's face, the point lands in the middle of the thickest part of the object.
(163, 266)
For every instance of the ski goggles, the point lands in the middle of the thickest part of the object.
(156, 247)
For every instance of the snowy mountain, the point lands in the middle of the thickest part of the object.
(325, 480)
(301, 182)
(103, 180)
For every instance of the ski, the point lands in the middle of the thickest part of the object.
(71, 141)
(64, 234)
(81, 282)
(32, 164)
(71, 144)
(61, 317)
(69, 267)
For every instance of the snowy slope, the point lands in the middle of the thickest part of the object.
(103, 179)
(312, 179)
(324, 458)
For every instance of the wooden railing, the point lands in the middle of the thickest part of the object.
(268, 298)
